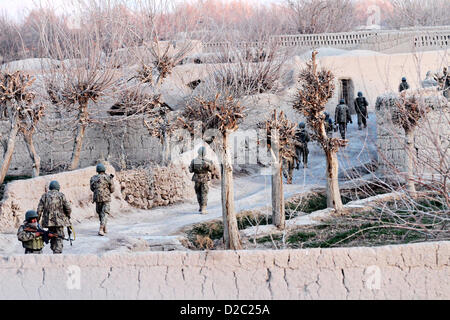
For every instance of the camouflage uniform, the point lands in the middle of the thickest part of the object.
(54, 212)
(288, 169)
(202, 169)
(446, 83)
(328, 126)
(361, 111)
(31, 242)
(403, 86)
(103, 186)
(342, 117)
(301, 148)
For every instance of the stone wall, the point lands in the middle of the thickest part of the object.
(156, 186)
(416, 271)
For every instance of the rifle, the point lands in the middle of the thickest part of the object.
(70, 231)
(46, 235)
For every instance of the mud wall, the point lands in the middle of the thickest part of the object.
(431, 137)
(123, 143)
(23, 195)
(416, 271)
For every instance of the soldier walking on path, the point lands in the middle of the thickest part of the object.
(301, 150)
(102, 185)
(361, 110)
(288, 168)
(203, 169)
(403, 85)
(342, 117)
(54, 213)
(328, 125)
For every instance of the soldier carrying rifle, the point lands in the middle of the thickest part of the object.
(54, 211)
(31, 234)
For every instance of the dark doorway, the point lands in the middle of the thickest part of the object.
(347, 93)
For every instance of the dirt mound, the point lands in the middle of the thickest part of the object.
(23, 195)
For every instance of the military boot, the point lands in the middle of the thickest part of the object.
(101, 231)
(104, 229)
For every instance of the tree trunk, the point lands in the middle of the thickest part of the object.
(230, 227)
(28, 137)
(409, 162)
(278, 216)
(9, 149)
(333, 193)
(78, 143)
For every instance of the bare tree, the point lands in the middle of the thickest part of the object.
(16, 101)
(84, 74)
(409, 111)
(28, 124)
(319, 16)
(222, 114)
(316, 88)
(414, 13)
(281, 144)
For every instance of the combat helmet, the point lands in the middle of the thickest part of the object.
(403, 79)
(360, 94)
(201, 151)
(100, 168)
(54, 185)
(301, 125)
(30, 214)
(342, 101)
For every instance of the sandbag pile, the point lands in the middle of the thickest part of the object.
(156, 186)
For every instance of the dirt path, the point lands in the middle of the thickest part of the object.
(136, 230)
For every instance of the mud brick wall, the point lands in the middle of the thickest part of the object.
(415, 271)
(124, 143)
(431, 136)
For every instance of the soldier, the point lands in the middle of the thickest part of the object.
(102, 185)
(361, 110)
(446, 82)
(429, 81)
(54, 213)
(403, 85)
(203, 169)
(301, 146)
(32, 241)
(328, 125)
(342, 117)
(288, 168)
